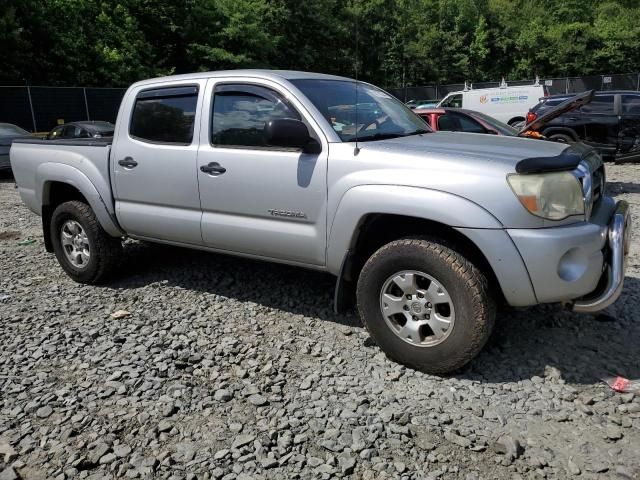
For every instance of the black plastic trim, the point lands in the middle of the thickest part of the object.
(168, 92)
(569, 159)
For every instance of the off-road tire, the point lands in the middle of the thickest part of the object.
(105, 250)
(467, 286)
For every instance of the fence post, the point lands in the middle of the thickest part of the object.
(33, 115)
(566, 85)
(86, 104)
(638, 84)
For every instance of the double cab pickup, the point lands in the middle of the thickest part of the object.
(426, 231)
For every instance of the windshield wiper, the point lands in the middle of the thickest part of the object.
(386, 136)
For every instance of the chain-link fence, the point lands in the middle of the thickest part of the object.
(627, 81)
(39, 109)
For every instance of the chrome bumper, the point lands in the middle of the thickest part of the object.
(619, 234)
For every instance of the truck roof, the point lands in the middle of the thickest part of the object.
(261, 73)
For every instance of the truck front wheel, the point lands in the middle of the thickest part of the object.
(84, 250)
(425, 305)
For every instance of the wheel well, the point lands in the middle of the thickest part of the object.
(54, 194)
(376, 230)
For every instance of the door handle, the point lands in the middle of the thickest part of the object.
(128, 162)
(213, 168)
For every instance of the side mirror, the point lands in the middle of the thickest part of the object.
(290, 133)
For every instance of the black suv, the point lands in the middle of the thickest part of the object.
(610, 123)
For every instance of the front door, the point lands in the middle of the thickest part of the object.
(257, 199)
(154, 163)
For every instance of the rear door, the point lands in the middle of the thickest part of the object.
(629, 133)
(599, 118)
(260, 200)
(154, 162)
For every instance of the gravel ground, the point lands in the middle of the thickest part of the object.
(228, 368)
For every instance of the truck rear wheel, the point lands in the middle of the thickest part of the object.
(84, 250)
(425, 305)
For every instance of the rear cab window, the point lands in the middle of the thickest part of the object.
(165, 115)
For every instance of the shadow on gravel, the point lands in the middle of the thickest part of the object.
(583, 348)
(291, 289)
(525, 344)
(6, 176)
(618, 188)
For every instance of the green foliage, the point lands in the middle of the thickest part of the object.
(116, 42)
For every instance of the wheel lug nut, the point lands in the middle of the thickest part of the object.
(428, 304)
(408, 297)
(415, 317)
(405, 307)
(420, 295)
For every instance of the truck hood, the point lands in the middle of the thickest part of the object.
(469, 149)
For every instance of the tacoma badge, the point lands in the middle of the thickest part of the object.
(286, 213)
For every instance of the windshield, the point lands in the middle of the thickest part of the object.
(502, 128)
(9, 130)
(379, 115)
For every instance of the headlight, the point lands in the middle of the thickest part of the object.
(553, 196)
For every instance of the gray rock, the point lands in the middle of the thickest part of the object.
(242, 440)
(108, 458)
(267, 462)
(347, 464)
(222, 395)
(9, 474)
(257, 400)
(508, 446)
(573, 468)
(99, 450)
(44, 412)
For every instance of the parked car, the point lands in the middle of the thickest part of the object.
(8, 133)
(610, 123)
(463, 120)
(427, 230)
(506, 104)
(88, 129)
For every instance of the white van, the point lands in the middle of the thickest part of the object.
(507, 104)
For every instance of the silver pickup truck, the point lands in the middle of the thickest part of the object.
(427, 231)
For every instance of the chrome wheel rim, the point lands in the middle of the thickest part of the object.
(75, 244)
(417, 308)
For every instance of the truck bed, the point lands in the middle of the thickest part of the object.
(82, 163)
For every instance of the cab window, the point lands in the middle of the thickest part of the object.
(165, 115)
(453, 101)
(240, 113)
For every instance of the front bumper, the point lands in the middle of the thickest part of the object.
(581, 263)
(618, 240)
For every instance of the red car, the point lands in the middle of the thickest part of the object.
(462, 120)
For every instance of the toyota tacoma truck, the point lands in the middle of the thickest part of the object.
(426, 231)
